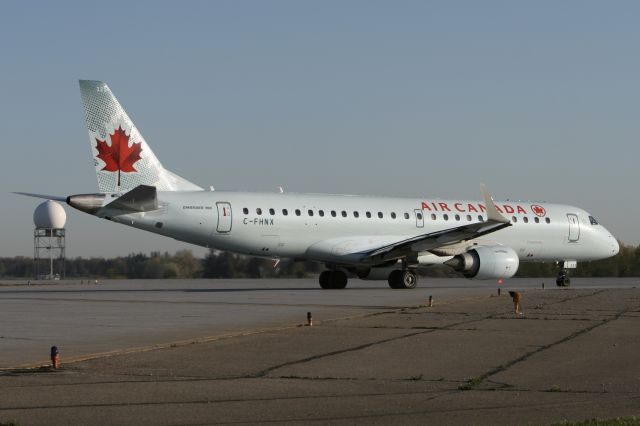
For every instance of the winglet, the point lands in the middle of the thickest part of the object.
(492, 213)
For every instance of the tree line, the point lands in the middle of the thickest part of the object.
(220, 264)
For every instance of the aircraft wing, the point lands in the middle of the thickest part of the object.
(381, 249)
(420, 243)
(425, 242)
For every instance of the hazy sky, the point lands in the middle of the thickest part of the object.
(540, 100)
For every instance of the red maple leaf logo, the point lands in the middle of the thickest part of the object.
(538, 210)
(119, 156)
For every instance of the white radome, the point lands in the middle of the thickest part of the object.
(49, 215)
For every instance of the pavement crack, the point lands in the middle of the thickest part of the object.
(265, 372)
(474, 382)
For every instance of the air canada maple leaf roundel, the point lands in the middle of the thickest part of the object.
(119, 156)
(538, 210)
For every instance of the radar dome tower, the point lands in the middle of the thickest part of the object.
(49, 241)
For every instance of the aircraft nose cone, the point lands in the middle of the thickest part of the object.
(609, 244)
(614, 245)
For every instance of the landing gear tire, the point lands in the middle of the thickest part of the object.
(402, 279)
(333, 280)
(324, 279)
(563, 279)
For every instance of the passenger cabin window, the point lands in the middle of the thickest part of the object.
(468, 218)
(547, 220)
(480, 218)
(406, 215)
(284, 212)
(321, 213)
(380, 215)
(525, 219)
(272, 212)
(356, 214)
(457, 217)
(368, 214)
(593, 220)
(245, 210)
(310, 212)
(344, 214)
(514, 219)
(298, 212)
(419, 216)
(259, 211)
(393, 215)
(445, 216)
(333, 213)
(433, 216)
(536, 219)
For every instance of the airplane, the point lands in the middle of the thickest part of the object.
(373, 238)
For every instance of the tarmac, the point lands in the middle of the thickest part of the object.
(200, 352)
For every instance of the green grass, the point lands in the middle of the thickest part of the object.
(470, 384)
(620, 421)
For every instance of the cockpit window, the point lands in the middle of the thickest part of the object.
(593, 220)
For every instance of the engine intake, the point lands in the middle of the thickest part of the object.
(484, 263)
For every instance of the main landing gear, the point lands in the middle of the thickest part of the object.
(398, 279)
(563, 279)
(403, 279)
(333, 279)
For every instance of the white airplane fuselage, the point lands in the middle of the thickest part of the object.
(293, 225)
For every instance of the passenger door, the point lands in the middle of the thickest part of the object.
(574, 227)
(224, 217)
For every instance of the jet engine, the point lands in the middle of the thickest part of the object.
(484, 263)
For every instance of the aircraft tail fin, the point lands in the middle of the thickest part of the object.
(122, 158)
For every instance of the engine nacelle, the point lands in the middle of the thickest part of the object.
(484, 263)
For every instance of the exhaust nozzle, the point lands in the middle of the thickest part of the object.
(88, 203)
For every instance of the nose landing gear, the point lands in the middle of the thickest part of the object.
(563, 280)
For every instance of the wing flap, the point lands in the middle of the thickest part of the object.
(425, 242)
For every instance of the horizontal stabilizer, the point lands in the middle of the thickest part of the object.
(142, 198)
(46, 197)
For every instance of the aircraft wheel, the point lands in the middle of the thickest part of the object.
(325, 279)
(338, 279)
(563, 279)
(402, 279)
(333, 280)
(409, 279)
(395, 278)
